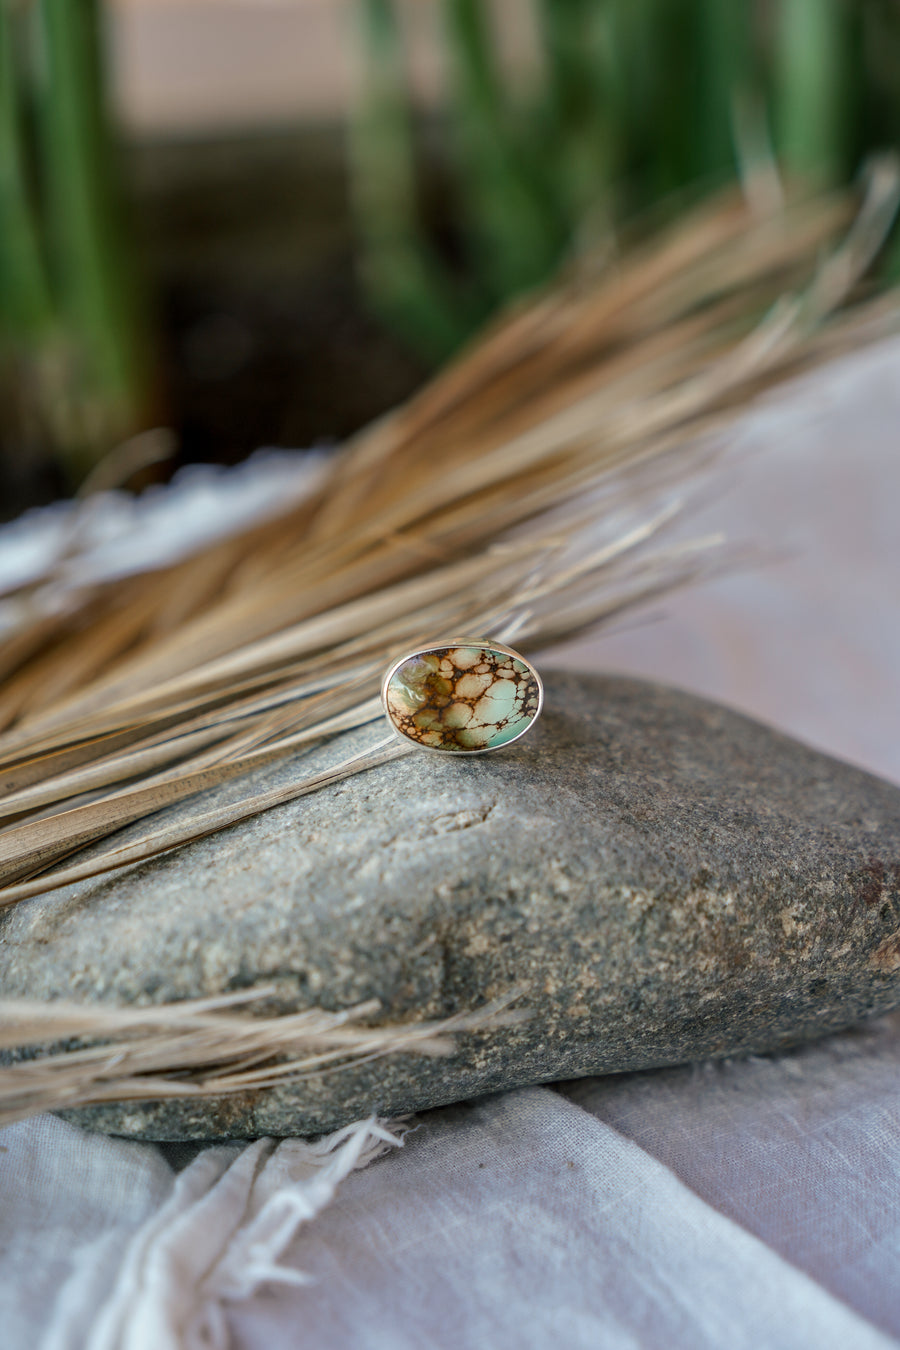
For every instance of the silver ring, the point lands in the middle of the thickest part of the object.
(462, 697)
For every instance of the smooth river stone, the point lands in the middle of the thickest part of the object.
(468, 699)
(668, 881)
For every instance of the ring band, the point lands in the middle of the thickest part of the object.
(464, 696)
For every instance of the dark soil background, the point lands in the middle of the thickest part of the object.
(264, 335)
(261, 333)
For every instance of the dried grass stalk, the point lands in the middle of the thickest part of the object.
(521, 494)
(198, 1048)
(524, 495)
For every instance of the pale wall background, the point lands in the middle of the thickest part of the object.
(811, 640)
(194, 66)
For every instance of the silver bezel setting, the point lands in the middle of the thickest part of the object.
(487, 645)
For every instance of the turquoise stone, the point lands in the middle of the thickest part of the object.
(464, 699)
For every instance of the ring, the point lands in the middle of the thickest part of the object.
(463, 697)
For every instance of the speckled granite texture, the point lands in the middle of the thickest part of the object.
(668, 879)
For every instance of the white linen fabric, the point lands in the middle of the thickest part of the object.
(105, 1248)
(749, 1204)
(740, 1204)
(525, 1222)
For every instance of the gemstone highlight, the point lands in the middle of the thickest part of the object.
(467, 698)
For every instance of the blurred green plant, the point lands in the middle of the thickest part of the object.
(74, 349)
(624, 104)
(631, 102)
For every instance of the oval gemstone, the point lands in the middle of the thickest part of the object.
(466, 698)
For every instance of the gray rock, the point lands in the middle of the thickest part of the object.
(670, 881)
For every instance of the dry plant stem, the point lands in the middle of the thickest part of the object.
(36, 844)
(150, 845)
(522, 493)
(201, 1048)
(525, 495)
(259, 740)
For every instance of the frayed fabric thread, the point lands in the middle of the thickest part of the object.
(220, 1237)
(252, 1257)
